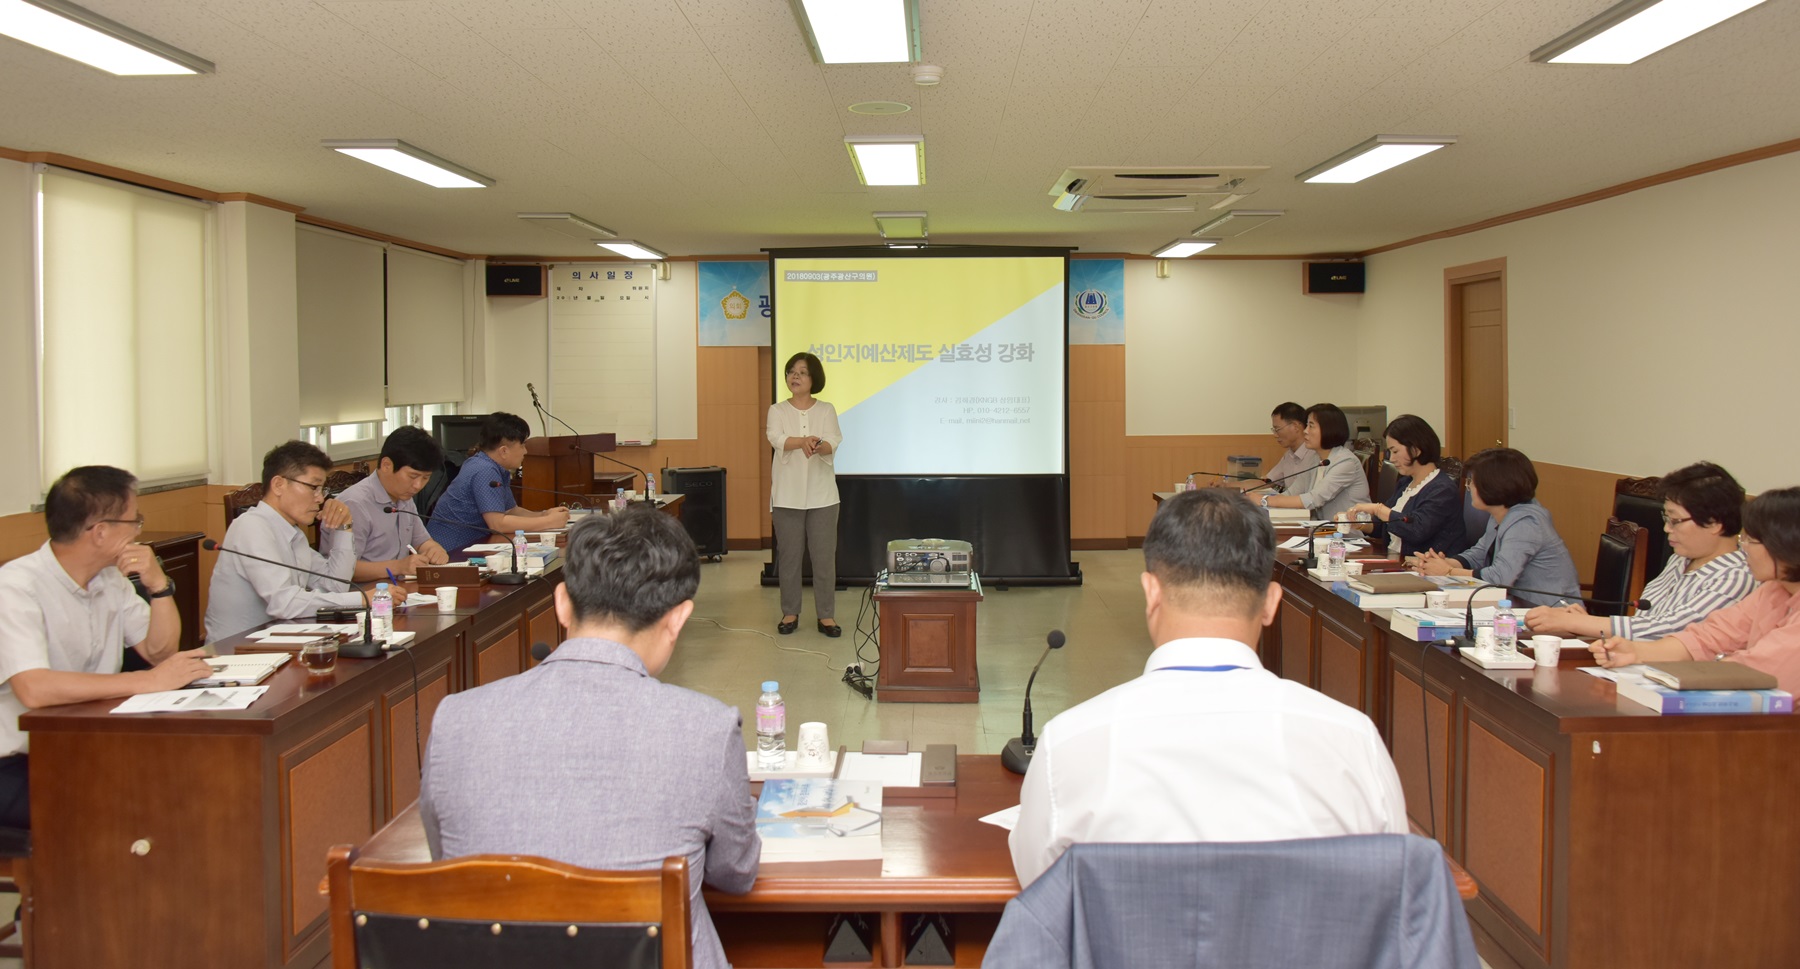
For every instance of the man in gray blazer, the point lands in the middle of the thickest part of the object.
(588, 759)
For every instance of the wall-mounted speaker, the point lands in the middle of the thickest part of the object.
(1332, 277)
(515, 280)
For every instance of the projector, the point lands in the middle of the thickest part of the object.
(929, 561)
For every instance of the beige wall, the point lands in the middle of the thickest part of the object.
(1645, 332)
(18, 340)
(1212, 348)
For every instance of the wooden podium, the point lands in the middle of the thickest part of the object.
(928, 644)
(564, 464)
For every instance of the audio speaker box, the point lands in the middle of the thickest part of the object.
(702, 505)
(515, 280)
(1332, 277)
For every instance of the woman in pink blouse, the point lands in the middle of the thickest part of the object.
(1762, 631)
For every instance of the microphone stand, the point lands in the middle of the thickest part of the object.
(369, 648)
(1017, 755)
(598, 454)
(577, 497)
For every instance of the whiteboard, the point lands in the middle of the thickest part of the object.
(603, 349)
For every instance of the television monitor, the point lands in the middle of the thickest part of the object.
(457, 433)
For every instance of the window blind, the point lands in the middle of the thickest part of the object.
(426, 333)
(340, 312)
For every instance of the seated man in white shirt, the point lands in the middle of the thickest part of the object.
(1206, 745)
(246, 593)
(68, 613)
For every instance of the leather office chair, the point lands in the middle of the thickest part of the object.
(1368, 450)
(428, 496)
(1639, 500)
(506, 910)
(1324, 903)
(15, 859)
(1385, 480)
(1618, 567)
(242, 500)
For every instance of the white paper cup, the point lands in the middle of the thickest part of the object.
(446, 597)
(1322, 548)
(1547, 649)
(1352, 567)
(500, 561)
(1437, 600)
(815, 747)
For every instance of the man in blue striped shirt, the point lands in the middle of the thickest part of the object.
(472, 507)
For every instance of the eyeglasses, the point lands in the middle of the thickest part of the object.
(1672, 522)
(317, 488)
(137, 524)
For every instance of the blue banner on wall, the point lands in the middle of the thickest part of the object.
(734, 304)
(1096, 301)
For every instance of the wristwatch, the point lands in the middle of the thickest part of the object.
(165, 592)
(1265, 501)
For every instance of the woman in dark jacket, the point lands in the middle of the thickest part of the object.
(1426, 509)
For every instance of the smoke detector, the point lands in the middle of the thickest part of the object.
(926, 75)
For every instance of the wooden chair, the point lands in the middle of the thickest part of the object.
(505, 910)
(15, 859)
(1619, 565)
(337, 481)
(1640, 500)
(242, 500)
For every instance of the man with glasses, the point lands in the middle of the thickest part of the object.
(1288, 424)
(246, 593)
(68, 611)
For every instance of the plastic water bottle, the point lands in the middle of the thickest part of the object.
(771, 728)
(381, 613)
(619, 500)
(1190, 483)
(1334, 553)
(519, 550)
(650, 487)
(1506, 631)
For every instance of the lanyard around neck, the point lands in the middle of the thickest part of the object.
(1201, 669)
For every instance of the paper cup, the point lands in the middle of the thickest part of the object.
(1437, 600)
(1547, 649)
(1352, 567)
(446, 597)
(815, 747)
(1322, 548)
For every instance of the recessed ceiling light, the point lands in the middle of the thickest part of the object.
(860, 31)
(901, 225)
(1373, 157)
(880, 107)
(80, 34)
(892, 160)
(1633, 30)
(403, 159)
(633, 250)
(1182, 248)
(569, 224)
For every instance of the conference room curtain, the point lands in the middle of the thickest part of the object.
(123, 283)
(340, 305)
(426, 332)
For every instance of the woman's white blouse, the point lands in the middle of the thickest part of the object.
(797, 481)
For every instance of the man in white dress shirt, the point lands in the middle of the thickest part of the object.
(246, 593)
(1206, 745)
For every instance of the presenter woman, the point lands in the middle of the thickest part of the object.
(803, 492)
(1340, 482)
(1425, 512)
(1761, 632)
(1521, 545)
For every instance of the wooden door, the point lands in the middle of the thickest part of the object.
(1475, 380)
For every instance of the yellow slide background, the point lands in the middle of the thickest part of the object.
(930, 301)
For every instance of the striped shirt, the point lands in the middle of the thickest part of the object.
(1679, 598)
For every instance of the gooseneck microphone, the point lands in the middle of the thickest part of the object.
(369, 648)
(577, 501)
(1467, 639)
(542, 413)
(392, 510)
(540, 652)
(1017, 755)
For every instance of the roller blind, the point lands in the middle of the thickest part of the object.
(426, 298)
(340, 311)
(122, 328)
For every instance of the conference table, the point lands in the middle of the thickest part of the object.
(1599, 832)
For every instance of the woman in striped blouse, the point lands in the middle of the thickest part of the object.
(1702, 511)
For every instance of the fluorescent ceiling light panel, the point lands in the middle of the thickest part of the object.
(901, 225)
(634, 250)
(403, 159)
(1635, 29)
(1182, 248)
(569, 224)
(860, 31)
(82, 35)
(889, 160)
(1374, 156)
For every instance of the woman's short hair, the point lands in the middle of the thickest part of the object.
(1503, 476)
(1417, 437)
(1773, 518)
(1334, 427)
(1709, 493)
(813, 367)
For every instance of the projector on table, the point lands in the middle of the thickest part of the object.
(929, 561)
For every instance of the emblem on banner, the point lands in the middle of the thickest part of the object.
(736, 304)
(1090, 304)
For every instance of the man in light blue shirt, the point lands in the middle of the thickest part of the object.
(395, 541)
(480, 501)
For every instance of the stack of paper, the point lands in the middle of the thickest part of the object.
(183, 701)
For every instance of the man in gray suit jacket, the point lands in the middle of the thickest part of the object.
(588, 759)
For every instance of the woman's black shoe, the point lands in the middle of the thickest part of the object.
(789, 626)
(834, 631)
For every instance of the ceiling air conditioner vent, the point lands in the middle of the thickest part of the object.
(1151, 189)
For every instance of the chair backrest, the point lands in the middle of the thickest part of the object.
(506, 910)
(1475, 521)
(428, 496)
(1370, 453)
(1452, 468)
(242, 500)
(1639, 500)
(1386, 479)
(1618, 566)
(1389, 899)
(337, 481)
